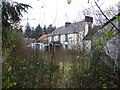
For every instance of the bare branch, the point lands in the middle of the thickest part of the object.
(106, 16)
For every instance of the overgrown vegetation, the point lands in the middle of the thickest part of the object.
(11, 14)
(28, 68)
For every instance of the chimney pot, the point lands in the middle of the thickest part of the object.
(88, 19)
(67, 23)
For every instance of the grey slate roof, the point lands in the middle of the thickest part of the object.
(72, 28)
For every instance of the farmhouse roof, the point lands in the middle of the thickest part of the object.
(69, 29)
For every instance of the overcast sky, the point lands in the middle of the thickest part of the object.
(57, 12)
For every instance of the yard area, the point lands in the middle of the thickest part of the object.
(27, 68)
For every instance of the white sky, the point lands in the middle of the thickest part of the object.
(57, 12)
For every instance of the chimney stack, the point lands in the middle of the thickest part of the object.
(88, 19)
(67, 24)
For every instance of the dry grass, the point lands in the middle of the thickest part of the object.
(61, 69)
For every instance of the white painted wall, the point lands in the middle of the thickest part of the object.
(56, 38)
(72, 39)
(86, 29)
(41, 46)
(49, 39)
(62, 40)
(81, 41)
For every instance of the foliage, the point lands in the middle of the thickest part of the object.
(100, 43)
(27, 68)
(39, 31)
(27, 72)
(11, 14)
(118, 18)
(49, 29)
(102, 65)
(12, 38)
(27, 31)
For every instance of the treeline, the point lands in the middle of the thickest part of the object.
(30, 32)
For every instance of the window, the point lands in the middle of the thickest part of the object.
(52, 38)
(59, 37)
(66, 38)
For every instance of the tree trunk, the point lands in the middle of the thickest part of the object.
(118, 36)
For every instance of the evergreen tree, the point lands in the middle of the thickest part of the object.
(28, 31)
(45, 30)
(38, 31)
(11, 14)
(50, 28)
